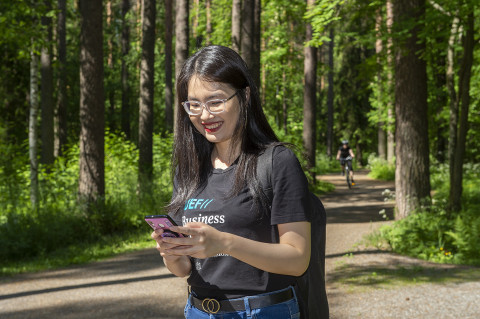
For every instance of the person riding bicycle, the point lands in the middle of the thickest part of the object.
(345, 155)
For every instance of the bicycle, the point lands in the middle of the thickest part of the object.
(347, 163)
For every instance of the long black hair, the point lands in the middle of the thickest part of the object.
(191, 160)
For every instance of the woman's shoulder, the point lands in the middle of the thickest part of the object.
(283, 154)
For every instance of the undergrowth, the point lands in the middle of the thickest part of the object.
(57, 225)
(434, 233)
(380, 169)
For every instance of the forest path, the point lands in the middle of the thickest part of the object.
(366, 282)
(361, 282)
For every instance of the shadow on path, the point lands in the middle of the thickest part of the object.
(87, 285)
(124, 308)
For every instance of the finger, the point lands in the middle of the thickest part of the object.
(191, 229)
(178, 241)
(182, 251)
(156, 233)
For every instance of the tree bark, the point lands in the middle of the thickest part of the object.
(248, 9)
(145, 125)
(456, 186)
(450, 75)
(390, 112)
(256, 49)
(32, 127)
(61, 121)
(381, 134)
(168, 65)
(236, 24)
(92, 103)
(208, 8)
(48, 135)
(196, 17)
(110, 65)
(331, 45)
(441, 99)
(125, 43)
(412, 177)
(181, 41)
(309, 95)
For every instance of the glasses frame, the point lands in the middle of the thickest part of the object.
(204, 105)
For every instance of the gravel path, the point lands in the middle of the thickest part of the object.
(362, 282)
(365, 282)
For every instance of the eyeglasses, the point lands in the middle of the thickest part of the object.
(213, 106)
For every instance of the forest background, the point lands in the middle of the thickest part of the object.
(87, 111)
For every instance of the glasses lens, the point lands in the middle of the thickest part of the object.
(216, 106)
(193, 107)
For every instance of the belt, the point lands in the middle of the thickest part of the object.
(214, 306)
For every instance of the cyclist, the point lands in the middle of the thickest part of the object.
(345, 155)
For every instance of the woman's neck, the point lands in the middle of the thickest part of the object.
(223, 157)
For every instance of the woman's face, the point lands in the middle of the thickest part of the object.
(217, 128)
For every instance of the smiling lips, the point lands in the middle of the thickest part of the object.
(212, 127)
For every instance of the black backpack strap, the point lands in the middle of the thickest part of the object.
(264, 172)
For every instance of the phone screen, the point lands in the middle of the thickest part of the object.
(164, 222)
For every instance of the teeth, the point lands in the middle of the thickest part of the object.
(213, 126)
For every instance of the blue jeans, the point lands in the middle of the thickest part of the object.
(285, 310)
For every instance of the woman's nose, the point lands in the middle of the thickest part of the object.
(205, 114)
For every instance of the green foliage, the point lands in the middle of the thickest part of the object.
(380, 168)
(322, 14)
(59, 221)
(435, 235)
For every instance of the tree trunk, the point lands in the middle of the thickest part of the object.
(309, 95)
(441, 99)
(125, 43)
(412, 177)
(48, 135)
(32, 128)
(390, 115)
(181, 41)
(61, 121)
(464, 94)
(450, 74)
(382, 135)
(256, 49)
(236, 24)
(92, 103)
(110, 65)
(208, 9)
(248, 9)
(330, 96)
(145, 125)
(196, 17)
(284, 104)
(168, 65)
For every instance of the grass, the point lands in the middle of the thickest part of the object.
(354, 277)
(321, 187)
(81, 253)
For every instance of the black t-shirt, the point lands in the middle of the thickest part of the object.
(344, 152)
(223, 276)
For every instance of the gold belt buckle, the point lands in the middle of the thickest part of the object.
(210, 305)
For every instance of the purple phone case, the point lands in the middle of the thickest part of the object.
(164, 222)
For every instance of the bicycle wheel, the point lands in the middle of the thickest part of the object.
(347, 176)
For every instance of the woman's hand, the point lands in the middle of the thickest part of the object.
(162, 246)
(203, 241)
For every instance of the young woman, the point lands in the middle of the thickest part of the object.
(241, 254)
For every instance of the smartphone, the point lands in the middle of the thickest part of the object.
(164, 222)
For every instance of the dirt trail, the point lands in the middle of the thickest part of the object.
(137, 285)
(366, 282)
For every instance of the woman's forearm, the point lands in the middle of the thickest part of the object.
(282, 258)
(180, 266)
(290, 256)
